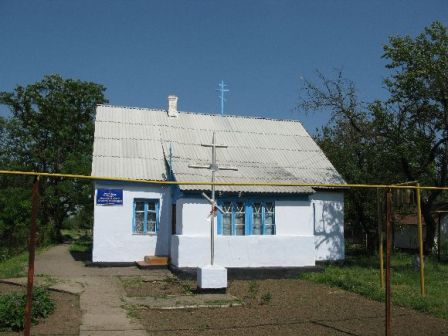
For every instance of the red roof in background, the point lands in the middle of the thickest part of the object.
(410, 219)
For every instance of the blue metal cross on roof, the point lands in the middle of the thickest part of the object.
(222, 89)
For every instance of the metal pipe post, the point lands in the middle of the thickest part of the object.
(439, 239)
(420, 242)
(31, 254)
(212, 224)
(214, 168)
(212, 219)
(388, 253)
(380, 238)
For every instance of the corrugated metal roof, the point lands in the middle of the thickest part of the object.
(133, 143)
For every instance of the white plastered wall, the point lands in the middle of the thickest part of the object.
(113, 240)
(292, 246)
(328, 223)
(243, 251)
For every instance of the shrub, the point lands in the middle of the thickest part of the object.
(253, 289)
(266, 298)
(12, 307)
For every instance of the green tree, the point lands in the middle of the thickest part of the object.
(351, 143)
(417, 111)
(404, 138)
(51, 130)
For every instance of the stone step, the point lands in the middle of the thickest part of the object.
(153, 262)
(157, 260)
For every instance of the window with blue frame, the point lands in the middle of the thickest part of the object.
(241, 218)
(146, 216)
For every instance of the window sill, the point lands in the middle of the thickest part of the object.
(145, 234)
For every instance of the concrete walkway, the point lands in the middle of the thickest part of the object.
(101, 296)
(102, 309)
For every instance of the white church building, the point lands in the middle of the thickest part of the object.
(261, 226)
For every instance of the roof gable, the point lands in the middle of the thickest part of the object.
(134, 143)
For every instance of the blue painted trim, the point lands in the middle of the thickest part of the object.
(263, 217)
(145, 217)
(219, 222)
(157, 216)
(233, 229)
(248, 221)
(274, 223)
(249, 216)
(176, 194)
(133, 217)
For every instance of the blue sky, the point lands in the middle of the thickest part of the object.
(142, 51)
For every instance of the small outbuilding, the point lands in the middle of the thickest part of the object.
(261, 226)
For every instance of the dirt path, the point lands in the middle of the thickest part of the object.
(101, 299)
(294, 307)
(58, 262)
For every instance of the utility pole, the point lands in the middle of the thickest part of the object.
(31, 255)
(214, 168)
(388, 253)
(380, 208)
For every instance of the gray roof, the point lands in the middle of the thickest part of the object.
(135, 142)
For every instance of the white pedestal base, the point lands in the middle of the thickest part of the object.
(212, 277)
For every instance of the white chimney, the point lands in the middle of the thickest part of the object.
(172, 106)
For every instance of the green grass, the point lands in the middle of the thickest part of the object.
(361, 275)
(131, 311)
(82, 244)
(132, 281)
(75, 234)
(80, 247)
(14, 267)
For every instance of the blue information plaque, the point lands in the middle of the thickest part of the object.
(109, 197)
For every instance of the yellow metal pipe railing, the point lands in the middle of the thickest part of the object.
(417, 187)
(420, 242)
(254, 184)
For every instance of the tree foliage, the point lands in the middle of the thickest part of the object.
(349, 140)
(404, 138)
(50, 129)
(418, 110)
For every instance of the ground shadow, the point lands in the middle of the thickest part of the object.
(81, 248)
(85, 256)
